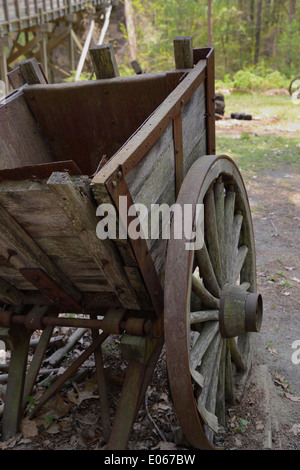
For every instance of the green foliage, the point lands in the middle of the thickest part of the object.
(84, 76)
(258, 78)
(235, 27)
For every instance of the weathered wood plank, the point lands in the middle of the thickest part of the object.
(203, 316)
(202, 343)
(104, 61)
(79, 209)
(9, 294)
(183, 52)
(25, 253)
(16, 149)
(204, 295)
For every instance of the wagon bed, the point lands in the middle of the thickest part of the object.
(70, 148)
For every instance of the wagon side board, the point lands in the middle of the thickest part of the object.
(150, 166)
(48, 244)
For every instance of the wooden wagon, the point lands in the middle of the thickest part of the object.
(68, 149)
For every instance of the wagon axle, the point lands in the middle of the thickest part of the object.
(240, 311)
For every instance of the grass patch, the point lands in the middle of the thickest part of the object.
(277, 107)
(254, 152)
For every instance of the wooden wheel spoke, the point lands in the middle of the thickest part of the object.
(211, 231)
(210, 370)
(204, 295)
(229, 387)
(219, 209)
(203, 316)
(197, 377)
(238, 264)
(236, 355)
(236, 231)
(228, 224)
(209, 418)
(202, 343)
(207, 272)
(220, 397)
(245, 285)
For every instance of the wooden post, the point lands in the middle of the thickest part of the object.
(5, 41)
(20, 337)
(45, 28)
(104, 61)
(31, 72)
(183, 52)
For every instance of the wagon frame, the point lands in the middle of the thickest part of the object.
(198, 318)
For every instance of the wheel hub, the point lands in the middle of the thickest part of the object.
(240, 311)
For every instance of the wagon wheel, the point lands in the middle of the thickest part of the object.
(294, 85)
(210, 300)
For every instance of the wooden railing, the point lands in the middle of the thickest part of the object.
(16, 15)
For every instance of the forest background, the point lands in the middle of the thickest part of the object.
(256, 42)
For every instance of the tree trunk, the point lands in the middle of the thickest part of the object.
(257, 33)
(129, 16)
(209, 27)
(292, 11)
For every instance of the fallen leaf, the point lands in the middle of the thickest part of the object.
(78, 395)
(259, 425)
(295, 429)
(292, 397)
(163, 445)
(238, 442)
(54, 429)
(28, 428)
(279, 380)
(295, 279)
(272, 351)
(163, 406)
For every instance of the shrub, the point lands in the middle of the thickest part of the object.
(252, 79)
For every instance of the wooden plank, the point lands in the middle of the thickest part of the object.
(78, 207)
(141, 172)
(9, 294)
(34, 206)
(193, 121)
(103, 106)
(207, 53)
(32, 72)
(178, 149)
(25, 253)
(140, 143)
(16, 149)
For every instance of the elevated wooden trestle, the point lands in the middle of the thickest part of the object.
(34, 28)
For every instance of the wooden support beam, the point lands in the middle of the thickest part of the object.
(23, 50)
(104, 61)
(5, 42)
(183, 52)
(9, 294)
(15, 386)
